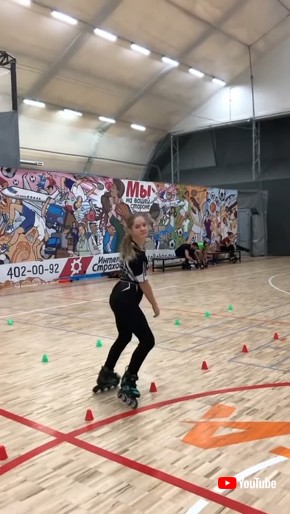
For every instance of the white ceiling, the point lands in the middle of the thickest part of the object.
(70, 67)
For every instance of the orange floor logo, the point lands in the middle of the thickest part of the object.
(205, 434)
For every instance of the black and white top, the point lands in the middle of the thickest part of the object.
(135, 271)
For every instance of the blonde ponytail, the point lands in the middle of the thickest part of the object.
(127, 251)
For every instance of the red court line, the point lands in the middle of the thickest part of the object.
(112, 419)
(169, 479)
(142, 468)
(165, 403)
(25, 457)
(32, 424)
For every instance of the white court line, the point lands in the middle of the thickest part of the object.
(66, 305)
(82, 302)
(223, 278)
(54, 307)
(270, 281)
(201, 504)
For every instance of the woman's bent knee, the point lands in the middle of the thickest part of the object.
(150, 342)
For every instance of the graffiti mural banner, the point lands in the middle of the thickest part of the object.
(33, 273)
(50, 217)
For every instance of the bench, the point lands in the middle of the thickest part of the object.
(167, 262)
(213, 257)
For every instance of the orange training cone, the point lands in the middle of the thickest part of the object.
(245, 349)
(153, 388)
(204, 366)
(89, 415)
(3, 453)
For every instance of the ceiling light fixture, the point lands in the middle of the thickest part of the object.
(170, 61)
(64, 17)
(33, 103)
(105, 35)
(70, 112)
(197, 73)
(31, 163)
(219, 82)
(140, 49)
(138, 127)
(24, 3)
(106, 120)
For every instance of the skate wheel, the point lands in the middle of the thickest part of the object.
(129, 400)
(134, 403)
(96, 389)
(121, 396)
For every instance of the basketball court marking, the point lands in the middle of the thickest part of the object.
(130, 463)
(61, 329)
(270, 281)
(232, 317)
(237, 359)
(188, 333)
(55, 307)
(82, 302)
(229, 276)
(71, 438)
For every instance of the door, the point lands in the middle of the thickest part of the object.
(244, 233)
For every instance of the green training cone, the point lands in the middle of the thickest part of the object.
(44, 358)
(177, 322)
(10, 322)
(99, 343)
(230, 308)
(207, 314)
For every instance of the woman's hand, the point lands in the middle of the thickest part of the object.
(156, 310)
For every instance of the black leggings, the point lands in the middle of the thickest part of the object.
(229, 248)
(130, 319)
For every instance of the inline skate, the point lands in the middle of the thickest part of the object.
(128, 391)
(106, 380)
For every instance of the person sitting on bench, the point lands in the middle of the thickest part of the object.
(203, 255)
(228, 246)
(187, 251)
(200, 254)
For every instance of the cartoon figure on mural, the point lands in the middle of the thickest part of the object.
(47, 215)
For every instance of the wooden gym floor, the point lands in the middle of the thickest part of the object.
(165, 457)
